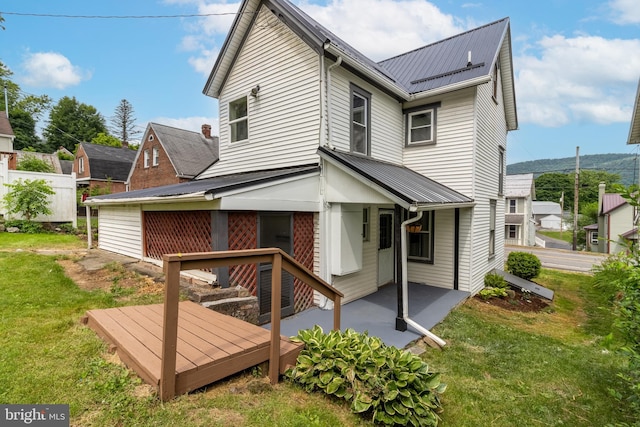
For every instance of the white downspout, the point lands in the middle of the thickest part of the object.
(331, 67)
(405, 283)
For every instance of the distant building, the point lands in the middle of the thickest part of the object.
(542, 210)
(519, 227)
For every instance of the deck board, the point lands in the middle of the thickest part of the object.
(210, 346)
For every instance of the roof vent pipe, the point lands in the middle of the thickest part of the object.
(469, 64)
(405, 284)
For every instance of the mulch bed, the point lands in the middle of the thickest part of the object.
(518, 302)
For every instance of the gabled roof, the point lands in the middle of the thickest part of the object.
(436, 68)
(610, 202)
(5, 125)
(634, 129)
(106, 162)
(546, 208)
(202, 187)
(521, 185)
(407, 187)
(189, 152)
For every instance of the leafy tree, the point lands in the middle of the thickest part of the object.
(123, 122)
(589, 183)
(24, 128)
(34, 105)
(549, 187)
(104, 139)
(33, 164)
(28, 198)
(71, 122)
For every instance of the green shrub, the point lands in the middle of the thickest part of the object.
(28, 227)
(493, 280)
(524, 265)
(491, 292)
(392, 386)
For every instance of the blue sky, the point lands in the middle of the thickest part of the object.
(577, 62)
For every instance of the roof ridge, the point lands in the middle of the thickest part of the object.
(172, 127)
(445, 40)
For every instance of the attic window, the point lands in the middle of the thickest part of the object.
(150, 137)
(238, 120)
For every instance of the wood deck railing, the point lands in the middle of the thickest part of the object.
(173, 264)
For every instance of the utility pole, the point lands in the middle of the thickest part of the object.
(575, 200)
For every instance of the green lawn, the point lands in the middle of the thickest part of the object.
(502, 368)
(566, 235)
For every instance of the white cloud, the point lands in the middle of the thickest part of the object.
(383, 28)
(190, 123)
(584, 79)
(51, 69)
(625, 11)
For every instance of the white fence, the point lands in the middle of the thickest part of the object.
(63, 202)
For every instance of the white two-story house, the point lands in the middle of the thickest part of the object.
(360, 170)
(519, 225)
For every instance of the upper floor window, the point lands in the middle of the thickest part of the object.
(513, 206)
(420, 238)
(156, 156)
(146, 158)
(420, 127)
(360, 121)
(81, 165)
(239, 120)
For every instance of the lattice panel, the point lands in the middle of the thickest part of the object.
(303, 253)
(243, 234)
(176, 232)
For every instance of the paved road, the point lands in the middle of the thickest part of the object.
(561, 259)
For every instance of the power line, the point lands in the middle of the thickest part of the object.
(52, 15)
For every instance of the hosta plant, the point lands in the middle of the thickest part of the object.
(392, 386)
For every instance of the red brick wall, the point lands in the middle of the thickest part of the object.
(153, 176)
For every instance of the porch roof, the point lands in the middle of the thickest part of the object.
(406, 187)
(205, 189)
(514, 219)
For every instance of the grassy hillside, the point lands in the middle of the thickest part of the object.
(625, 165)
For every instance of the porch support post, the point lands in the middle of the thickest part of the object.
(170, 330)
(276, 294)
(456, 250)
(401, 324)
(220, 242)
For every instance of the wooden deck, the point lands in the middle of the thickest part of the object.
(210, 345)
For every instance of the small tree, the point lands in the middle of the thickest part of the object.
(33, 164)
(29, 198)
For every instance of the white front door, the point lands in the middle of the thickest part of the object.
(386, 258)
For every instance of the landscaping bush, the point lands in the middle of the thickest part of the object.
(524, 265)
(392, 386)
(25, 226)
(493, 280)
(491, 292)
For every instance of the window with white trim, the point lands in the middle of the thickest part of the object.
(513, 206)
(594, 237)
(360, 121)
(366, 216)
(512, 231)
(81, 165)
(421, 127)
(146, 158)
(420, 239)
(492, 227)
(238, 120)
(500, 171)
(156, 156)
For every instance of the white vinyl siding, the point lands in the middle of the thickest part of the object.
(363, 282)
(440, 273)
(119, 229)
(284, 117)
(386, 118)
(450, 160)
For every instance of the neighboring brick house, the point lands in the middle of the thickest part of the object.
(102, 167)
(168, 155)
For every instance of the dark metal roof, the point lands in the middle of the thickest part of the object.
(404, 183)
(446, 62)
(106, 162)
(190, 152)
(214, 185)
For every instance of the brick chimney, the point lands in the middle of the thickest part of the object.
(206, 131)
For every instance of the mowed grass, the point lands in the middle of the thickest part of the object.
(502, 368)
(31, 242)
(565, 235)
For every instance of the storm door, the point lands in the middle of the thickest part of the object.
(386, 264)
(275, 231)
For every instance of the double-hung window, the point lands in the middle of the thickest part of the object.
(238, 120)
(512, 231)
(360, 121)
(421, 127)
(81, 165)
(146, 158)
(420, 239)
(492, 227)
(513, 206)
(156, 156)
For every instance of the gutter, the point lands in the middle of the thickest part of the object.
(196, 197)
(405, 284)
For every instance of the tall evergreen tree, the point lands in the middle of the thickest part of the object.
(123, 122)
(72, 122)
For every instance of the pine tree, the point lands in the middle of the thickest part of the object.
(123, 122)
